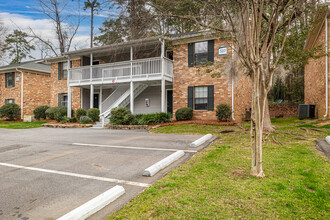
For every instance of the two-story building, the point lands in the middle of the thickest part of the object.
(157, 74)
(317, 70)
(26, 84)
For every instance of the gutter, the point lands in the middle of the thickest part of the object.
(232, 87)
(326, 68)
(22, 91)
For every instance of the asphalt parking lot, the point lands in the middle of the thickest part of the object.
(47, 172)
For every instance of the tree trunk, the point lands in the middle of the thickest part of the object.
(259, 98)
(92, 21)
(268, 127)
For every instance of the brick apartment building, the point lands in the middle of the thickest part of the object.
(26, 84)
(317, 70)
(162, 74)
(157, 74)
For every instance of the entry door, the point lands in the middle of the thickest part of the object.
(96, 100)
(170, 101)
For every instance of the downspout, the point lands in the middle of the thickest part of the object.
(232, 86)
(22, 91)
(326, 67)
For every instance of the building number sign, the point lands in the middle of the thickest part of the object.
(222, 51)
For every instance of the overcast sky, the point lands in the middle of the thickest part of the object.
(23, 14)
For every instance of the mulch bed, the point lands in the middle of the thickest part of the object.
(67, 125)
(195, 122)
(11, 121)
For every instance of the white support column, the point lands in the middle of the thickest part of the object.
(131, 52)
(132, 97)
(69, 102)
(91, 67)
(69, 90)
(163, 90)
(100, 102)
(92, 97)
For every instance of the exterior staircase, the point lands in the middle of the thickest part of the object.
(120, 97)
(99, 124)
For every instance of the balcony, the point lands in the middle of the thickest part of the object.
(150, 69)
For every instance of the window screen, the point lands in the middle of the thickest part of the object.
(201, 53)
(65, 70)
(201, 98)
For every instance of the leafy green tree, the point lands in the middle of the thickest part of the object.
(111, 32)
(18, 46)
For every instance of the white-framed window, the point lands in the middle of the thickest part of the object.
(65, 70)
(200, 97)
(201, 53)
(10, 79)
(63, 99)
(7, 101)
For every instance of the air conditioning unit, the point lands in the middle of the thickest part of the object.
(306, 111)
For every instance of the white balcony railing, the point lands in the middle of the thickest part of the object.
(138, 70)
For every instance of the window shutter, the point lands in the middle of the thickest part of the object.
(59, 99)
(191, 54)
(190, 97)
(210, 56)
(6, 80)
(210, 98)
(59, 71)
(14, 79)
(6, 101)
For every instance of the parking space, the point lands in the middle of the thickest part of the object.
(47, 172)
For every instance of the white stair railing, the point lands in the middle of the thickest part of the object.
(123, 100)
(115, 95)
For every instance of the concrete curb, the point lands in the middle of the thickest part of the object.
(327, 139)
(201, 140)
(94, 205)
(152, 170)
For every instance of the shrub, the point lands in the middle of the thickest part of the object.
(94, 114)
(154, 118)
(10, 111)
(60, 110)
(121, 116)
(184, 114)
(85, 120)
(40, 112)
(80, 112)
(223, 112)
(73, 120)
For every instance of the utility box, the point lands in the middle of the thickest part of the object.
(306, 111)
(28, 118)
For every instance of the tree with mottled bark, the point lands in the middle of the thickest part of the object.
(253, 26)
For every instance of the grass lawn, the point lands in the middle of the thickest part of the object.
(22, 125)
(216, 182)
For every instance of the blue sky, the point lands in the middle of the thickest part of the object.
(25, 14)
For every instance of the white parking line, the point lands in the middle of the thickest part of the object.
(77, 175)
(135, 148)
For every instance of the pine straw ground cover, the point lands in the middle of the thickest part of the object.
(215, 183)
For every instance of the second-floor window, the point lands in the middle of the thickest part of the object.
(9, 80)
(201, 53)
(63, 70)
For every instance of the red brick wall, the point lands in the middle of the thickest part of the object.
(36, 91)
(185, 76)
(61, 86)
(315, 91)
